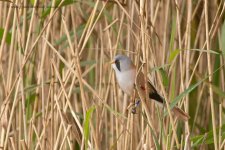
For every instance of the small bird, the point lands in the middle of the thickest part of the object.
(126, 72)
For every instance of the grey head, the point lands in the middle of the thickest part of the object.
(122, 63)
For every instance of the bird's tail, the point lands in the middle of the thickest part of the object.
(180, 114)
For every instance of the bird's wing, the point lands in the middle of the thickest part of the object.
(151, 91)
(153, 94)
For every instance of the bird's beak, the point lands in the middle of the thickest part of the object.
(112, 62)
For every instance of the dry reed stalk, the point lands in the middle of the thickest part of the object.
(210, 77)
(53, 68)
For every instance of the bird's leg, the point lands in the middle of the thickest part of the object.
(135, 105)
(136, 102)
(133, 110)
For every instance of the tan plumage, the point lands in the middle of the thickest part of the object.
(126, 75)
(153, 94)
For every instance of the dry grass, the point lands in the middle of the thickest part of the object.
(58, 91)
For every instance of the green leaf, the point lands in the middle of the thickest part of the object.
(183, 94)
(173, 83)
(198, 140)
(86, 125)
(162, 73)
(164, 77)
(160, 67)
(218, 91)
(223, 38)
(87, 62)
(8, 36)
(207, 138)
(173, 55)
(188, 90)
(206, 51)
(32, 2)
(46, 12)
(216, 77)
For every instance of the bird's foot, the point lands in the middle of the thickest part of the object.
(135, 105)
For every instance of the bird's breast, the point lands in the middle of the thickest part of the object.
(126, 80)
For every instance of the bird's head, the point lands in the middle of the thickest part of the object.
(122, 63)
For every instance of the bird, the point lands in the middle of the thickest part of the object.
(126, 73)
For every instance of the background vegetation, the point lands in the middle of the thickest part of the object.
(58, 91)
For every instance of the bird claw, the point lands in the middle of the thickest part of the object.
(137, 103)
(133, 110)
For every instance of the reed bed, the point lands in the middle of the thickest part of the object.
(58, 90)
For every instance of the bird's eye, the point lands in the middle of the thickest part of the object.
(117, 62)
